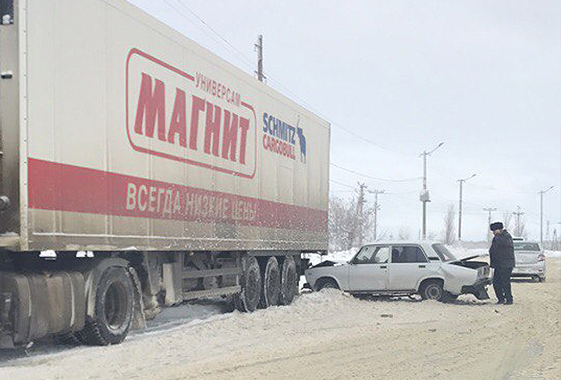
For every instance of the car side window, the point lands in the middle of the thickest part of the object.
(408, 254)
(372, 255)
(382, 255)
(364, 256)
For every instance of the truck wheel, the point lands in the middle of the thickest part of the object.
(114, 302)
(271, 283)
(248, 299)
(289, 281)
(432, 290)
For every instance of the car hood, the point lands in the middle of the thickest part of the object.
(328, 263)
(465, 259)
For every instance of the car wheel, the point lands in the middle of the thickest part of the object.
(542, 279)
(327, 283)
(432, 290)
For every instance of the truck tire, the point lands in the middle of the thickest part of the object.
(113, 313)
(248, 299)
(270, 293)
(432, 290)
(289, 281)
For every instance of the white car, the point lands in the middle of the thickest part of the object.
(530, 260)
(404, 268)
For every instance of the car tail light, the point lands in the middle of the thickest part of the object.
(541, 257)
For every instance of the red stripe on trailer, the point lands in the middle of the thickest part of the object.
(62, 187)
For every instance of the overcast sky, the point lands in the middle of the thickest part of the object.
(484, 77)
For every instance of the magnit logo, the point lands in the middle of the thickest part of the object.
(188, 117)
(281, 138)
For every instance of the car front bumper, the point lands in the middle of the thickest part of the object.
(479, 289)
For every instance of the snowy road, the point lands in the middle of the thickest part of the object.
(334, 336)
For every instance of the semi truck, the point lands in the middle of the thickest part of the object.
(138, 171)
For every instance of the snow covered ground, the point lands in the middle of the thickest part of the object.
(330, 335)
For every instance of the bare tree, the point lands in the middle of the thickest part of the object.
(520, 228)
(338, 223)
(449, 225)
(507, 220)
(382, 235)
(403, 233)
(350, 221)
(431, 235)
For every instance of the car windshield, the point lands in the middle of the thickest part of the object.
(526, 246)
(443, 252)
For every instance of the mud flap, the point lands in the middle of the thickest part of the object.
(139, 319)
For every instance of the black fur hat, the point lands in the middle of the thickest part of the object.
(497, 226)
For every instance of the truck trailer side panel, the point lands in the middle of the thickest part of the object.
(138, 137)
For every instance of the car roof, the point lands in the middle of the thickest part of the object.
(402, 242)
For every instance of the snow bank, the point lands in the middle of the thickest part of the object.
(549, 253)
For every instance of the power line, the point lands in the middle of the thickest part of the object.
(213, 30)
(271, 79)
(374, 178)
(341, 184)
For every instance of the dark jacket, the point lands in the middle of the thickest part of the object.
(502, 251)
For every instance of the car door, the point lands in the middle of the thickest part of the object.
(408, 265)
(368, 271)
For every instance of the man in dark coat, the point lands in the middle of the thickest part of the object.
(502, 261)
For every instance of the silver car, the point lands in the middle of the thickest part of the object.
(530, 260)
(404, 268)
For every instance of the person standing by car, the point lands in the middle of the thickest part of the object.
(502, 261)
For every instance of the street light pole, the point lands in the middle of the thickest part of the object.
(425, 194)
(542, 192)
(461, 181)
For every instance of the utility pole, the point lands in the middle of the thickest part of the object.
(461, 181)
(376, 208)
(259, 48)
(359, 210)
(518, 214)
(542, 192)
(490, 211)
(425, 196)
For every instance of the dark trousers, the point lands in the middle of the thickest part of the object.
(501, 284)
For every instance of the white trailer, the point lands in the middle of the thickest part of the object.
(139, 170)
